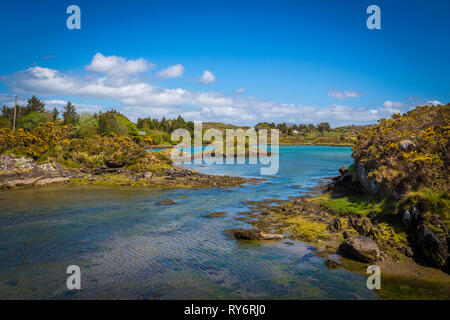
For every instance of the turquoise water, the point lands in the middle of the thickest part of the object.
(128, 246)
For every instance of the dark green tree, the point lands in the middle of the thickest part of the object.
(110, 122)
(55, 114)
(34, 105)
(323, 126)
(8, 113)
(70, 115)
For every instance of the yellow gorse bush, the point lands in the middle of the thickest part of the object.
(396, 170)
(60, 142)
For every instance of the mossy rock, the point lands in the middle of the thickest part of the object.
(332, 264)
(243, 234)
(167, 202)
(217, 214)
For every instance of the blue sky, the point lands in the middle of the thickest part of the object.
(295, 61)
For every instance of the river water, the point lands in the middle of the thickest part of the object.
(129, 247)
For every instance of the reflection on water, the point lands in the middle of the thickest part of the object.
(129, 247)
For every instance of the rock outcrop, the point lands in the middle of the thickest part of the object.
(343, 183)
(21, 171)
(407, 220)
(360, 248)
(406, 145)
(432, 247)
(368, 185)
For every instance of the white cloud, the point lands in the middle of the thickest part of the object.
(346, 94)
(137, 98)
(80, 107)
(394, 106)
(434, 103)
(207, 77)
(240, 90)
(117, 65)
(174, 71)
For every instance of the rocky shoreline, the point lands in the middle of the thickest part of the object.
(409, 253)
(21, 172)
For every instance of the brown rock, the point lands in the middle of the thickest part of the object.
(360, 248)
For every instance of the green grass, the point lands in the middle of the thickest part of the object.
(428, 200)
(359, 204)
(308, 230)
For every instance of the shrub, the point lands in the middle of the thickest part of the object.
(155, 137)
(397, 171)
(88, 126)
(132, 130)
(5, 123)
(38, 144)
(22, 142)
(109, 122)
(32, 120)
(110, 151)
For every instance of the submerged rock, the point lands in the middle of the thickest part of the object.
(360, 248)
(217, 214)
(332, 264)
(252, 234)
(166, 202)
(243, 234)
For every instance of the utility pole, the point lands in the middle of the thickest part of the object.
(15, 107)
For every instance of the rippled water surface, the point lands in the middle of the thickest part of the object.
(128, 246)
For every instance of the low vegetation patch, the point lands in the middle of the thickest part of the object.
(359, 204)
(307, 230)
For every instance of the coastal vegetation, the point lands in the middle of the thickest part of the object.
(160, 131)
(106, 139)
(105, 148)
(310, 134)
